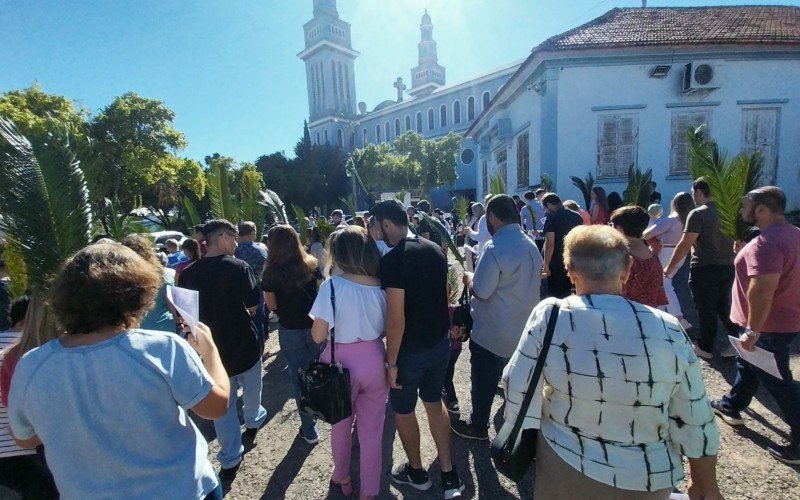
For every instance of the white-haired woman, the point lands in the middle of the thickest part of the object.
(625, 396)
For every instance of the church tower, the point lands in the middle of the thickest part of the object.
(428, 75)
(329, 59)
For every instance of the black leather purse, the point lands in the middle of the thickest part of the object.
(462, 316)
(325, 387)
(514, 449)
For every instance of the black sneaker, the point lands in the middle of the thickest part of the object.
(452, 407)
(451, 484)
(229, 474)
(730, 417)
(466, 430)
(416, 478)
(788, 454)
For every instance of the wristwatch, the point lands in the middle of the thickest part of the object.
(389, 366)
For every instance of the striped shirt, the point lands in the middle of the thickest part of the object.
(8, 448)
(624, 396)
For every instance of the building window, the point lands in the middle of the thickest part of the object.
(617, 144)
(485, 176)
(397, 127)
(340, 137)
(471, 108)
(430, 119)
(760, 133)
(317, 139)
(443, 116)
(386, 131)
(326, 137)
(364, 137)
(419, 122)
(378, 139)
(487, 98)
(501, 160)
(523, 160)
(408, 123)
(682, 122)
(456, 113)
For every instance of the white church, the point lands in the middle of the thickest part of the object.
(618, 91)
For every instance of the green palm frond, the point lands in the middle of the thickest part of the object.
(401, 196)
(191, 216)
(453, 284)
(639, 189)
(250, 209)
(445, 236)
(44, 200)
(325, 229)
(497, 184)
(119, 225)
(219, 193)
(729, 179)
(302, 223)
(462, 207)
(276, 210)
(585, 186)
(547, 182)
(349, 202)
(15, 267)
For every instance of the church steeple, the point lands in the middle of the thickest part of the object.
(428, 75)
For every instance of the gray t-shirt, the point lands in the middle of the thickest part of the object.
(713, 247)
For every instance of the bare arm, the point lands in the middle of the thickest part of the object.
(215, 404)
(759, 301)
(319, 330)
(681, 251)
(271, 301)
(395, 326)
(704, 479)
(27, 443)
(549, 248)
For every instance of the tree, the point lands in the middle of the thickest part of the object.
(220, 190)
(134, 140)
(250, 186)
(177, 178)
(639, 187)
(33, 112)
(436, 158)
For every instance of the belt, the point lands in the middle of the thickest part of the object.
(669, 246)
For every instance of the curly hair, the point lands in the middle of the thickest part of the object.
(103, 285)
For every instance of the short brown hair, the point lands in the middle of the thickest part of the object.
(143, 247)
(354, 252)
(104, 285)
(247, 228)
(632, 219)
(771, 197)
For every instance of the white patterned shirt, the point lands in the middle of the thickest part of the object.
(624, 394)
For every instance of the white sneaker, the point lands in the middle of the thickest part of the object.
(685, 324)
(701, 353)
(728, 352)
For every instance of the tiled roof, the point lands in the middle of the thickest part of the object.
(683, 26)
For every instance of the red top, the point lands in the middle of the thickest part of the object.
(646, 283)
(602, 215)
(775, 251)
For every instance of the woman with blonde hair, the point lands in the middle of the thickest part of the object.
(352, 301)
(289, 283)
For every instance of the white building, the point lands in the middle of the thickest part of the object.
(432, 107)
(624, 88)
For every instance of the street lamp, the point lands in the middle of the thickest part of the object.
(350, 165)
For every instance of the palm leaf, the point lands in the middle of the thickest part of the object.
(639, 188)
(302, 223)
(325, 229)
(585, 186)
(547, 182)
(462, 207)
(276, 210)
(445, 236)
(15, 266)
(219, 192)
(44, 200)
(191, 216)
(497, 184)
(350, 203)
(249, 208)
(452, 285)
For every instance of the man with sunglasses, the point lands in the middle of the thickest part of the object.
(229, 297)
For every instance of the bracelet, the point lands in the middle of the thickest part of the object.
(389, 366)
(750, 333)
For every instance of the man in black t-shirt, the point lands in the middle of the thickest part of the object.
(229, 297)
(414, 275)
(559, 222)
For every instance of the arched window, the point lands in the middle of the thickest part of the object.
(378, 139)
(326, 137)
(419, 122)
(430, 119)
(386, 131)
(365, 137)
(443, 115)
(471, 108)
(486, 99)
(397, 127)
(456, 113)
(408, 123)
(340, 137)
(317, 139)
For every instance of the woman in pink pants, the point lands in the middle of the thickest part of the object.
(359, 314)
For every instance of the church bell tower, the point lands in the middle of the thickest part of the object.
(428, 75)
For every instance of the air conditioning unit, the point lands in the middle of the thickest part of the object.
(700, 75)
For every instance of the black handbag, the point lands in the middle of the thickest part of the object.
(462, 316)
(514, 449)
(325, 387)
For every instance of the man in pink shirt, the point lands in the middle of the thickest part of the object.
(766, 303)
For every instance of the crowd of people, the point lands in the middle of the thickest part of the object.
(96, 381)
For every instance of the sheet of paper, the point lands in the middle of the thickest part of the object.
(759, 357)
(187, 303)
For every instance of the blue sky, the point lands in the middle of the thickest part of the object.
(229, 70)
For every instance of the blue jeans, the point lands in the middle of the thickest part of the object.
(228, 430)
(486, 370)
(786, 392)
(299, 349)
(216, 494)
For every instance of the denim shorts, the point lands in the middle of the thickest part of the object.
(420, 373)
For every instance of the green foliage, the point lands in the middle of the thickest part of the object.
(585, 186)
(118, 225)
(250, 187)
(44, 200)
(218, 180)
(401, 196)
(639, 188)
(729, 178)
(15, 267)
(547, 182)
(453, 283)
(350, 203)
(190, 215)
(497, 184)
(34, 111)
(302, 223)
(325, 229)
(462, 207)
(276, 209)
(444, 234)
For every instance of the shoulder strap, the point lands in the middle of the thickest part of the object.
(333, 328)
(537, 372)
